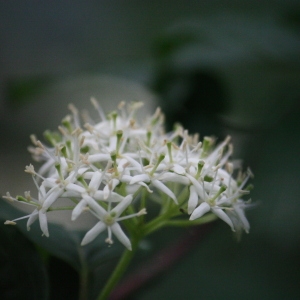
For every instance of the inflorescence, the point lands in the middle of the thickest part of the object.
(103, 169)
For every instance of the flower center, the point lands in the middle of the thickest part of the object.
(109, 219)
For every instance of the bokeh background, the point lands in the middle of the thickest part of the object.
(218, 67)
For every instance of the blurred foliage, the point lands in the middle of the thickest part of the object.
(20, 91)
(227, 68)
(93, 262)
(22, 272)
(239, 77)
(226, 72)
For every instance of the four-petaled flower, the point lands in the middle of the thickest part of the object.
(109, 220)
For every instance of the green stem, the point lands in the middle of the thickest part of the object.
(187, 223)
(83, 290)
(60, 208)
(119, 270)
(84, 277)
(155, 224)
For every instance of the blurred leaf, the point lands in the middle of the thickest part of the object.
(23, 90)
(22, 272)
(166, 44)
(93, 262)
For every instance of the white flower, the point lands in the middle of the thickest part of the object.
(97, 164)
(224, 203)
(109, 220)
(37, 212)
(212, 204)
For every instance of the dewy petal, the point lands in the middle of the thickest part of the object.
(223, 216)
(202, 209)
(159, 185)
(193, 200)
(78, 209)
(122, 206)
(120, 235)
(99, 210)
(43, 223)
(92, 233)
(32, 217)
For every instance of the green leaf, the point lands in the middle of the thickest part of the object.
(22, 272)
(93, 262)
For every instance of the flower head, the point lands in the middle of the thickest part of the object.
(100, 165)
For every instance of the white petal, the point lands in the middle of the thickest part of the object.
(179, 169)
(82, 170)
(72, 187)
(223, 216)
(46, 167)
(99, 195)
(122, 206)
(106, 192)
(241, 213)
(199, 188)
(110, 187)
(138, 178)
(120, 235)
(159, 185)
(134, 163)
(42, 191)
(70, 194)
(99, 210)
(126, 178)
(202, 209)
(32, 217)
(95, 181)
(78, 209)
(114, 197)
(92, 233)
(146, 186)
(98, 157)
(211, 186)
(173, 177)
(43, 223)
(114, 183)
(193, 199)
(51, 198)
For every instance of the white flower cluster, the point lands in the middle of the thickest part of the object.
(104, 166)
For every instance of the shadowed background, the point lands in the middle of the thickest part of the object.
(218, 67)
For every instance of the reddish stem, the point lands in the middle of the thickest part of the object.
(160, 262)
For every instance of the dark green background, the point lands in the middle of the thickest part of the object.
(219, 67)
